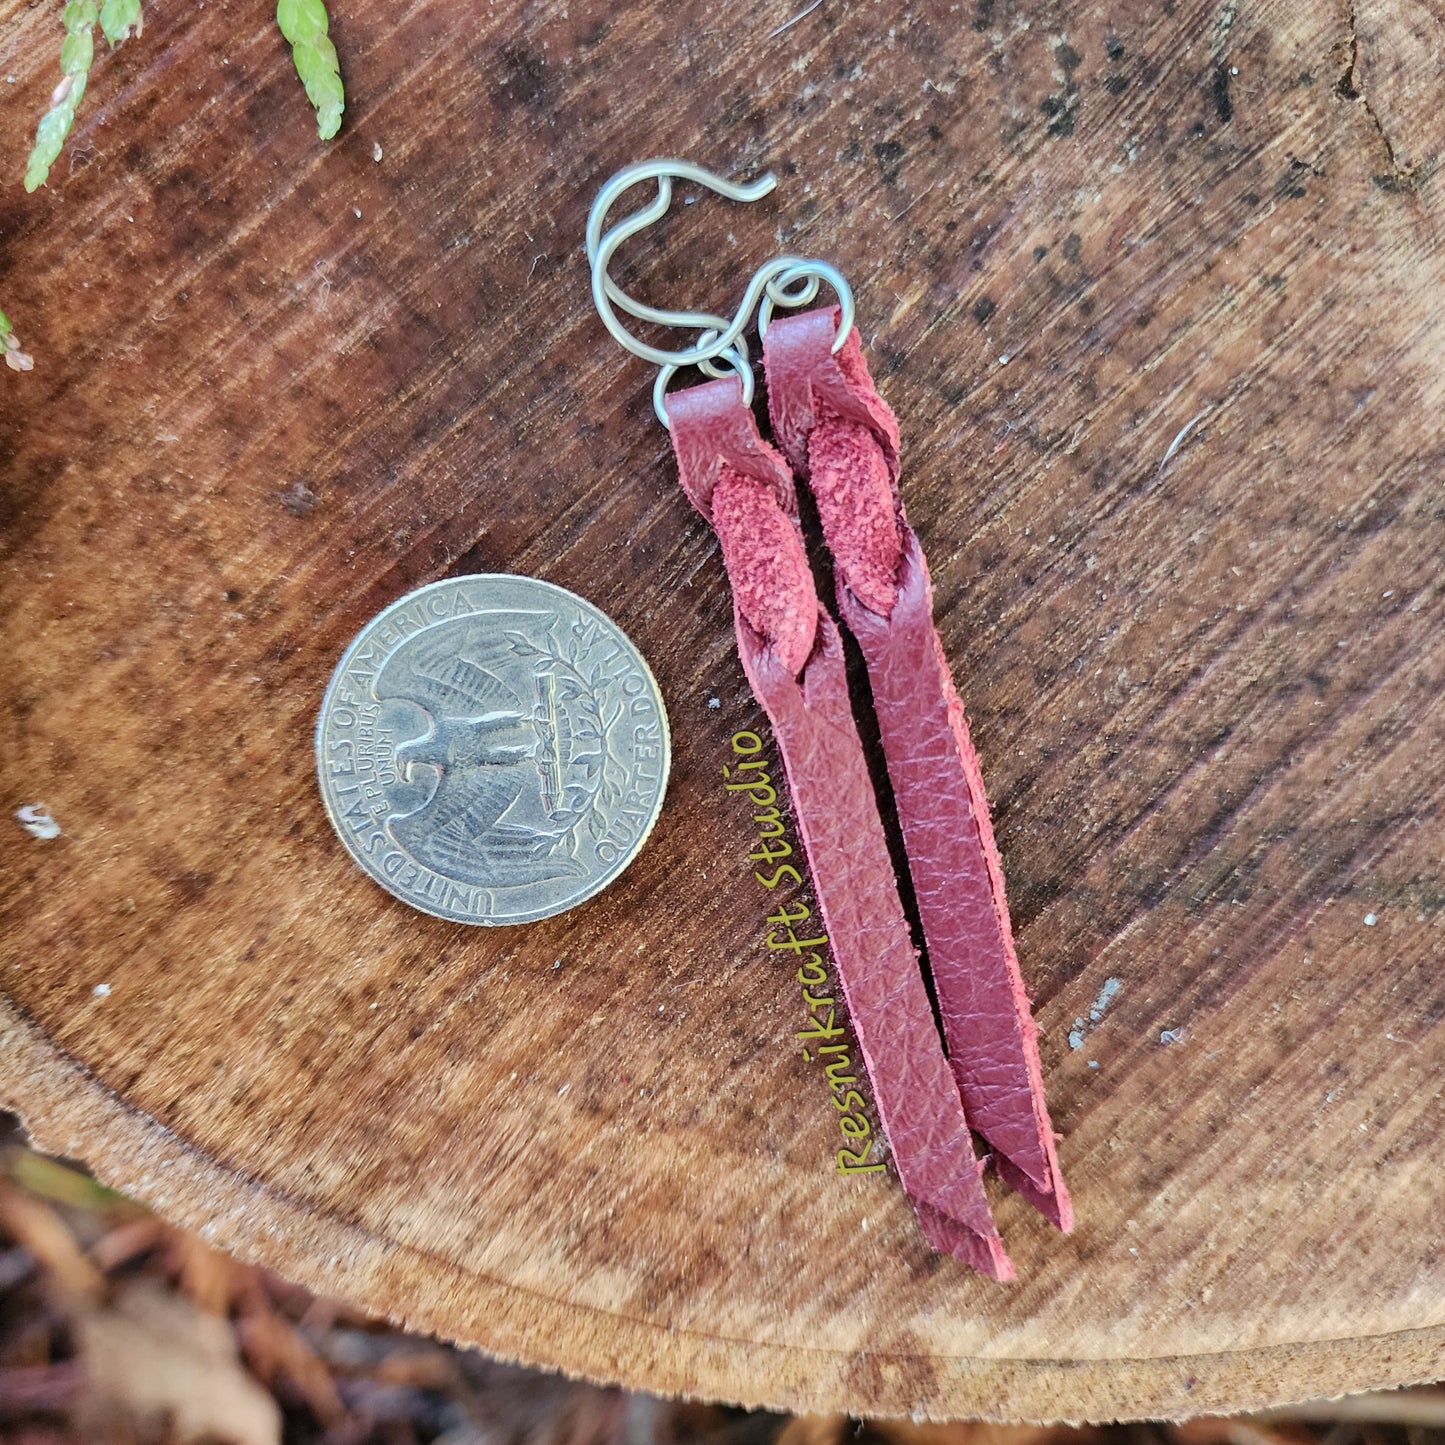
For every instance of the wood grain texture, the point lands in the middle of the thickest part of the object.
(1158, 300)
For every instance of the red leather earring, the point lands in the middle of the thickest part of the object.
(839, 436)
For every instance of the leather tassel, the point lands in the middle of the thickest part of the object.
(841, 437)
(793, 657)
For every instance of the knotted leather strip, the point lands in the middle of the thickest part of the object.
(839, 434)
(745, 490)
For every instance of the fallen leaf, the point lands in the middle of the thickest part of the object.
(156, 1363)
(31, 1222)
(814, 1430)
(274, 1347)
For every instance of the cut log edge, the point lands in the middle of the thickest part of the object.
(67, 1111)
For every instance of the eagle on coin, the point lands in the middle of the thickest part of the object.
(489, 756)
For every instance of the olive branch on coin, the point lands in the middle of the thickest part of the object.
(303, 23)
(610, 772)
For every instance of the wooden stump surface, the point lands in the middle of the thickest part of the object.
(1157, 294)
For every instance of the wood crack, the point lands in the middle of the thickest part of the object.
(1350, 86)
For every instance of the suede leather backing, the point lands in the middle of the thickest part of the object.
(744, 489)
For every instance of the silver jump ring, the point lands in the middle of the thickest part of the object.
(737, 362)
(709, 364)
(806, 277)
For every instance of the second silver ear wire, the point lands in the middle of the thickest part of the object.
(787, 281)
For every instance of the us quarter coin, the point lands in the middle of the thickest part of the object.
(492, 749)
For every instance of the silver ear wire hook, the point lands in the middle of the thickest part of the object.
(787, 281)
(600, 249)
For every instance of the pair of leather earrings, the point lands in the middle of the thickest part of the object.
(836, 435)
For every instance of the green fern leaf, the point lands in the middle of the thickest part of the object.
(79, 15)
(304, 23)
(15, 358)
(118, 18)
(76, 52)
